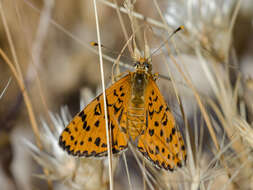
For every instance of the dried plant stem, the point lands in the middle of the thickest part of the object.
(243, 165)
(109, 151)
(19, 77)
(5, 88)
(35, 62)
(28, 106)
(123, 26)
(127, 171)
(232, 24)
(32, 73)
(161, 15)
(139, 162)
(203, 111)
(73, 37)
(136, 15)
(144, 174)
(10, 41)
(201, 106)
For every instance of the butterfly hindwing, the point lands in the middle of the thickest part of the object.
(86, 133)
(161, 141)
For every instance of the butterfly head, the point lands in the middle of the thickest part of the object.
(143, 65)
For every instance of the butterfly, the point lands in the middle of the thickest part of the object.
(137, 112)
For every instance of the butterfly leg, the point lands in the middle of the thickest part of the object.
(155, 76)
(115, 78)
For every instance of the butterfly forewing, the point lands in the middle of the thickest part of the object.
(86, 133)
(161, 141)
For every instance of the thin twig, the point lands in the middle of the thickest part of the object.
(10, 41)
(28, 106)
(109, 151)
(19, 77)
(75, 38)
(201, 106)
(232, 24)
(137, 15)
(127, 171)
(5, 88)
(41, 33)
(26, 98)
(36, 51)
(123, 26)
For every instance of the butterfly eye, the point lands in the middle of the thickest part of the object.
(146, 65)
(136, 63)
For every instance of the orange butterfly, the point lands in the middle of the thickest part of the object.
(136, 112)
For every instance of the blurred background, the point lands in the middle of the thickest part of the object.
(48, 44)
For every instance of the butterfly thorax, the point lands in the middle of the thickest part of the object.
(135, 110)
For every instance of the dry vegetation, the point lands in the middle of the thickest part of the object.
(47, 62)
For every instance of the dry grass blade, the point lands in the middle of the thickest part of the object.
(19, 77)
(123, 26)
(28, 105)
(35, 63)
(26, 97)
(75, 38)
(151, 21)
(201, 106)
(108, 133)
(10, 41)
(5, 88)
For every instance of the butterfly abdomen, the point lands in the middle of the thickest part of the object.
(135, 120)
(135, 110)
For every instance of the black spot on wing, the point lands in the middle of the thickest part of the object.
(157, 150)
(173, 131)
(115, 93)
(151, 113)
(146, 120)
(87, 128)
(116, 109)
(151, 132)
(104, 145)
(67, 130)
(160, 109)
(98, 110)
(96, 123)
(97, 141)
(84, 125)
(164, 119)
(120, 115)
(82, 115)
(161, 132)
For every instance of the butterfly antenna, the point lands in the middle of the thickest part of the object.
(146, 47)
(95, 44)
(167, 39)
